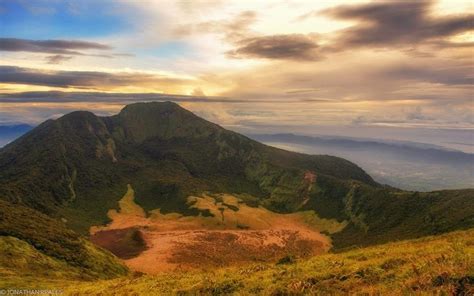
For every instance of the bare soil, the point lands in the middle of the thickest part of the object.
(124, 243)
(237, 234)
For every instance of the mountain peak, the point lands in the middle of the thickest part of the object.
(77, 116)
(77, 167)
(141, 121)
(143, 107)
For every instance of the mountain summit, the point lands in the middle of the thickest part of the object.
(77, 168)
(143, 121)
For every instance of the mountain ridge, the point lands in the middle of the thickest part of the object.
(410, 166)
(77, 168)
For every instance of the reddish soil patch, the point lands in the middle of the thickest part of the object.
(225, 248)
(124, 243)
(310, 177)
(204, 248)
(235, 234)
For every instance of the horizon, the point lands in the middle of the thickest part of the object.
(449, 139)
(221, 147)
(425, 166)
(331, 66)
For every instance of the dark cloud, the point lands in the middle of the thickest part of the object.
(99, 97)
(57, 59)
(69, 47)
(110, 97)
(236, 30)
(392, 23)
(80, 79)
(288, 47)
(450, 75)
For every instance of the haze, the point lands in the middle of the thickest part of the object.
(382, 69)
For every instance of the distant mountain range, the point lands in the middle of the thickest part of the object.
(10, 132)
(407, 165)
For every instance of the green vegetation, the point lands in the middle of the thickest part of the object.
(19, 258)
(383, 216)
(26, 234)
(440, 265)
(77, 168)
(68, 173)
(329, 226)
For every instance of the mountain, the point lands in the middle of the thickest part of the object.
(407, 165)
(77, 169)
(62, 166)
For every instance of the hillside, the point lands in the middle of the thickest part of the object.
(440, 265)
(33, 244)
(77, 168)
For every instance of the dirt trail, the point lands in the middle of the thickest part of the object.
(236, 234)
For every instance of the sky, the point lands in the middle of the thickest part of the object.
(387, 69)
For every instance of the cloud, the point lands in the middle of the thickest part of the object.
(233, 29)
(395, 23)
(110, 97)
(57, 59)
(448, 74)
(417, 114)
(346, 86)
(82, 79)
(69, 47)
(287, 47)
(384, 64)
(198, 92)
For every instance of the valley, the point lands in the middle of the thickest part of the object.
(232, 234)
(156, 199)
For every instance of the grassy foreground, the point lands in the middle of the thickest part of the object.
(438, 265)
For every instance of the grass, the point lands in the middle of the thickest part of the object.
(32, 242)
(329, 226)
(22, 259)
(437, 265)
(23, 265)
(127, 203)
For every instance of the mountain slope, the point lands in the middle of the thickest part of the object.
(167, 150)
(78, 167)
(380, 216)
(31, 242)
(439, 265)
